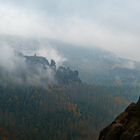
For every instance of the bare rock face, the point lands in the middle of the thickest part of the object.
(126, 126)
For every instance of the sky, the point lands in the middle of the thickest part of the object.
(110, 24)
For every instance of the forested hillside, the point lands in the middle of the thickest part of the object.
(41, 101)
(62, 113)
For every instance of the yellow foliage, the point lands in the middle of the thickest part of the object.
(4, 138)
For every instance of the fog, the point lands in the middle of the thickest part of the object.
(9, 60)
(14, 67)
(112, 25)
(51, 53)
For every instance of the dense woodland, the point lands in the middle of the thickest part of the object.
(74, 112)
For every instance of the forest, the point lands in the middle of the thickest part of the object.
(72, 112)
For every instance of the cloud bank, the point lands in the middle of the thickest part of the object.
(112, 25)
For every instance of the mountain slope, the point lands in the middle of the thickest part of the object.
(98, 66)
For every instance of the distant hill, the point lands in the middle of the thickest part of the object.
(99, 66)
(96, 66)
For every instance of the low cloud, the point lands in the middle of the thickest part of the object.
(76, 29)
(51, 53)
(8, 59)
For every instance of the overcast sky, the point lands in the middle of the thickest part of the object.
(110, 24)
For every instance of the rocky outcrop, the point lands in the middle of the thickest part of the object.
(63, 75)
(126, 126)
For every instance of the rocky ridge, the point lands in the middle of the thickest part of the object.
(126, 126)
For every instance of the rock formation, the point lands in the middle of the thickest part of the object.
(126, 126)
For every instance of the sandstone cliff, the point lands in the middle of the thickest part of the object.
(126, 126)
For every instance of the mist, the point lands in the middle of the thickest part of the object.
(14, 66)
(9, 60)
(51, 54)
